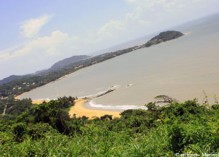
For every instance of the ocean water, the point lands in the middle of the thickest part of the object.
(184, 69)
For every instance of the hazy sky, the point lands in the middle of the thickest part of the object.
(36, 33)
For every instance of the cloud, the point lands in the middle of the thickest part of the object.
(46, 46)
(110, 30)
(36, 54)
(145, 17)
(31, 27)
(156, 15)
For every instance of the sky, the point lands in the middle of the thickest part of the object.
(34, 34)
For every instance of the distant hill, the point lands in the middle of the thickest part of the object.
(57, 66)
(11, 78)
(65, 62)
(162, 37)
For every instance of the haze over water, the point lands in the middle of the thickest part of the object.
(180, 68)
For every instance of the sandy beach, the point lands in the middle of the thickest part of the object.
(80, 110)
(37, 101)
(40, 101)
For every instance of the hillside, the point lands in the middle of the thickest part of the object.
(163, 37)
(67, 61)
(12, 78)
(56, 66)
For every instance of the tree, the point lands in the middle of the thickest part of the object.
(151, 106)
(19, 131)
(164, 99)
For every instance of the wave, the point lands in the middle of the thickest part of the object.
(48, 99)
(114, 107)
(129, 85)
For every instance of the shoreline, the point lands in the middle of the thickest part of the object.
(39, 101)
(79, 110)
(58, 79)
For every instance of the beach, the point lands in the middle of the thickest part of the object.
(80, 110)
(39, 101)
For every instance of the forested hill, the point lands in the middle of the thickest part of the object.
(163, 37)
(10, 78)
(17, 85)
(65, 62)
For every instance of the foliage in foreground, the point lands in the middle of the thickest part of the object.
(46, 130)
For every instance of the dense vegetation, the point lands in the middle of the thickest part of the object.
(14, 107)
(16, 85)
(47, 130)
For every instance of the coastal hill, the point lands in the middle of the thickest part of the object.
(16, 85)
(11, 78)
(162, 37)
(65, 62)
(58, 65)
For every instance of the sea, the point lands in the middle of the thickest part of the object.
(185, 69)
